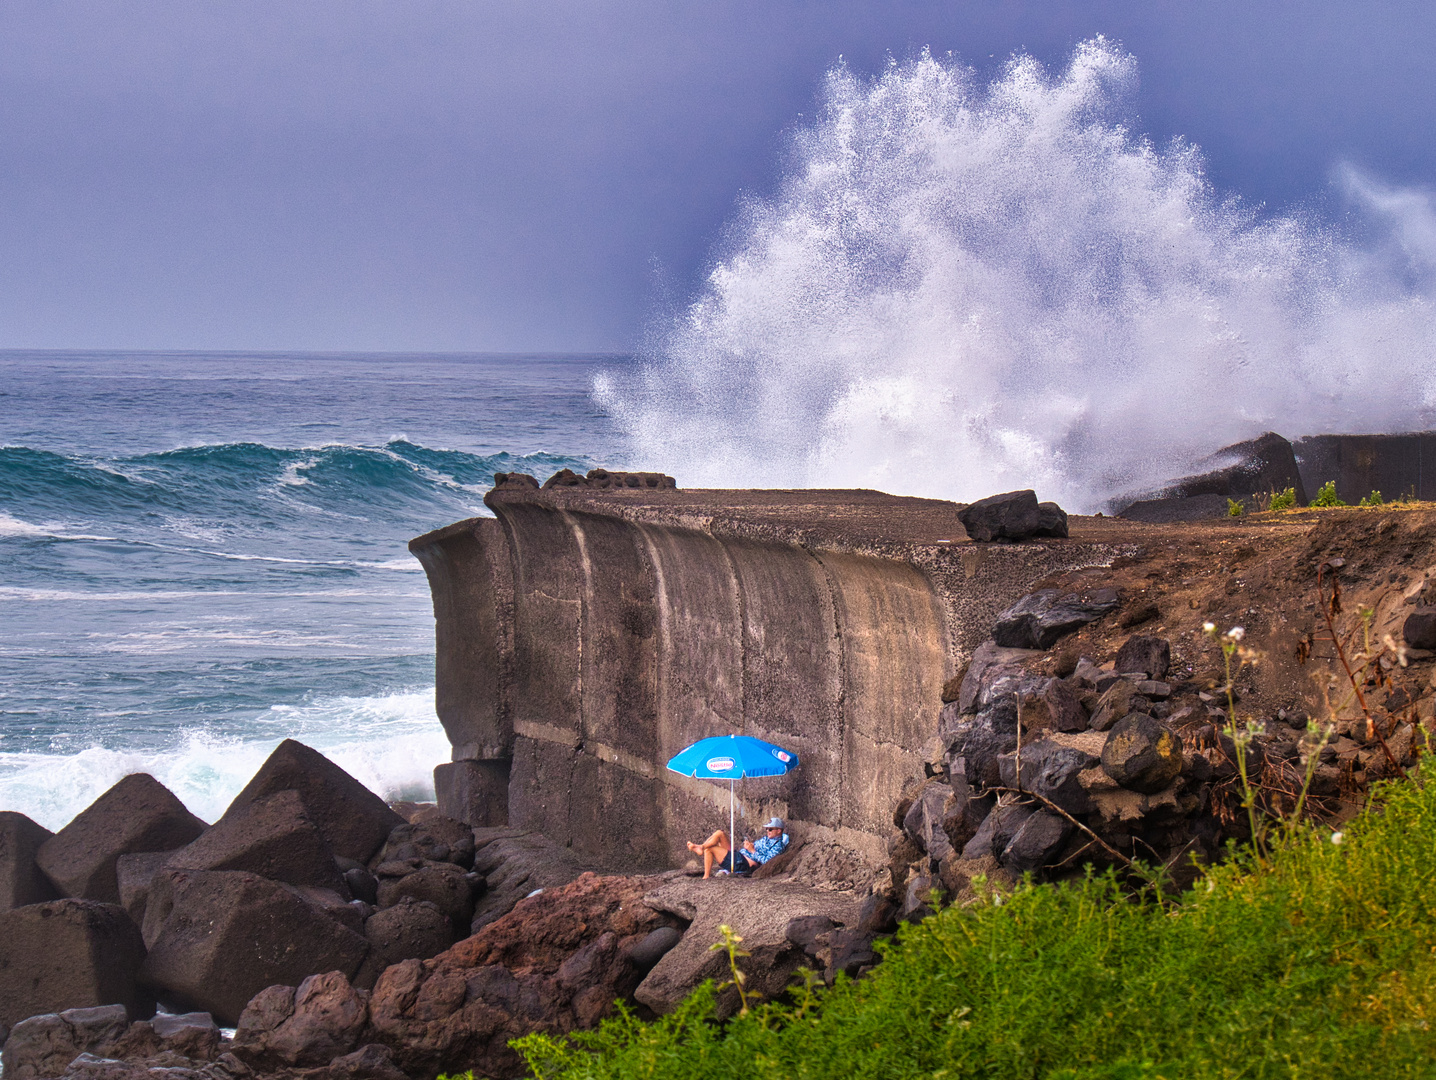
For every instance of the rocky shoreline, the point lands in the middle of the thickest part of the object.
(341, 938)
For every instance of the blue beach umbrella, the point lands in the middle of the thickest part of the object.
(731, 758)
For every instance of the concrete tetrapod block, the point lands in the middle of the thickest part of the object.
(229, 934)
(352, 818)
(474, 792)
(21, 881)
(69, 954)
(272, 837)
(137, 814)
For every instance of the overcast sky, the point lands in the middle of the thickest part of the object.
(298, 174)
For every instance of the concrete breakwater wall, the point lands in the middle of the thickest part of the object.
(584, 637)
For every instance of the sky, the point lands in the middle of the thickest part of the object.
(554, 175)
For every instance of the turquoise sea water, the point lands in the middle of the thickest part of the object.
(203, 554)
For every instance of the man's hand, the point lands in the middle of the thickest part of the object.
(748, 845)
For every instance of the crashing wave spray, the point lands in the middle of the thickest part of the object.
(962, 289)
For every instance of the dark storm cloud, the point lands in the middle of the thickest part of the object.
(480, 176)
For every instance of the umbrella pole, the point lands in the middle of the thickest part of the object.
(732, 835)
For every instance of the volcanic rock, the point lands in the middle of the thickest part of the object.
(272, 837)
(228, 934)
(1037, 842)
(411, 929)
(923, 822)
(137, 814)
(326, 1020)
(458, 1010)
(1150, 655)
(1116, 701)
(442, 884)
(348, 815)
(1014, 515)
(1051, 772)
(21, 881)
(45, 1045)
(976, 744)
(997, 831)
(69, 954)
(514, 863)
(1142, 754)
(437, 838)
(1039, 619)
(1419, 630)
(989, 666)
(1051, 520)
(758, 911)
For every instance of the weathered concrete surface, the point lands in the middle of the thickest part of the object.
(1395, 465)
(584, 637)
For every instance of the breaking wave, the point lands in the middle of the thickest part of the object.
(961, 289)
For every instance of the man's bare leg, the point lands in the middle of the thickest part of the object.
(714, 850)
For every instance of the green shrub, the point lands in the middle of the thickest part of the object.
(1318, 960)
(1284, 501)
(1235, 508)
(1327, 496)
(1374, 499)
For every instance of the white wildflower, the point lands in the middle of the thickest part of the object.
(1236, 633)
(1208, 627)
(1338, 836)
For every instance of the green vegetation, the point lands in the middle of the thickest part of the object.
(1286, 500)
(1235, 508)
(1327, 496)
(1374, 499)
(1317, 960)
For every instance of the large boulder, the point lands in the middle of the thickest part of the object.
(69, 954)
(758, 911)
(411, 929)
(1014, 515)
(513, 864)
(21, 881)
(1142, 754)
(348, 815)
(974, 746)
(227, 934)
(441, 884)
(272, 836)
(1040, 619)
(137, 814)
(556, 962)
(324, 1019)
(988, 672)
(45, 1045)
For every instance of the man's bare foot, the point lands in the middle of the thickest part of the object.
(694, 848)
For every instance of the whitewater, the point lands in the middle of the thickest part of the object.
(960, 288)
(202, 555)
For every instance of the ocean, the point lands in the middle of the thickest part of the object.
(204, 554)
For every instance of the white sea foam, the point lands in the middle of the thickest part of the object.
(16, 527)
(962, 289)
(389, 743)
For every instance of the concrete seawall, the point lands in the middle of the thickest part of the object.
(584, 637)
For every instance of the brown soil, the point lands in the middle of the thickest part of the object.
(1260, 573)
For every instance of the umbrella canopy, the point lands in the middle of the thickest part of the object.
(731, 758)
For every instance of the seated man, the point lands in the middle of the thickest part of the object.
(717, 851)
